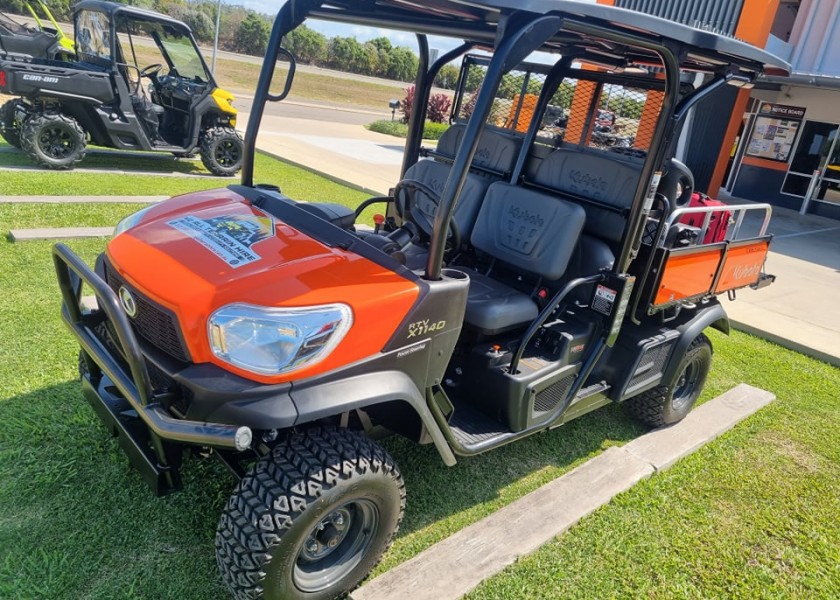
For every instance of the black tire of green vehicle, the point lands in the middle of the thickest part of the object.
(285, 504)
(53, 140)
(9, 127)
(221, 151)
(669, 404)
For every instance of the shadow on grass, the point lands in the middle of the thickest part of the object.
(106, 158)
(75, 519)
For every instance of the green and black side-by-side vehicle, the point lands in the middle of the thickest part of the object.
(101, 96)
(519, 279)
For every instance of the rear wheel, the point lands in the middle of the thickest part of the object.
(53, 140)
(669, 404)
(221, 151)
(311, 519)
(9, 122)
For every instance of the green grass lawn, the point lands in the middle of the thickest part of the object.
(753, 514)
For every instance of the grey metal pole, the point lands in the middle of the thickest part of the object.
(812, 187)
(216, 37)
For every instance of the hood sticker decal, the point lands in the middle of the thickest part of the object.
(228, 237)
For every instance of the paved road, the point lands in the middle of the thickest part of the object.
(312, 112)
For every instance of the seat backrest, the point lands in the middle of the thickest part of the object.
(496, 151)
(529, 230)
(600, 178)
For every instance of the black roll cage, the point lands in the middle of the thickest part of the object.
(600, 34)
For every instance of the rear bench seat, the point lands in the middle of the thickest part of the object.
(495, 156)
(544, 235)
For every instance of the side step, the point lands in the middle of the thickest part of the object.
(132, 434)
(475, 432)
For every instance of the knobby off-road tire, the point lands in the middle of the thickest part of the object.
(669, 404)
(311, 519)
(9, 124)
(53, 140)
(221, 151)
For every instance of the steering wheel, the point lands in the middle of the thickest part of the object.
(151, 71)
(418, 203)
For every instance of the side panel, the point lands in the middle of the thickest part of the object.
(742, 264)
(688, 273)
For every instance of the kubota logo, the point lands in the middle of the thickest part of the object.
(128, 302)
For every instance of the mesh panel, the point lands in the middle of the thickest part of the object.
(550, 397)
(516, 98)
(609, 116)
(582, 111)
(651, 364)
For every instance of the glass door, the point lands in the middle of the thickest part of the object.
(829, 190)
(816, 144)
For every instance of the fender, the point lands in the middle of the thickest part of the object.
(367, 389)
(711, 316)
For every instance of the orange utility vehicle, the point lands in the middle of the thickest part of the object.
(517, 281)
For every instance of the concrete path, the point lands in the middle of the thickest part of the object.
(799, 311)
(345, 152)
(454, 566)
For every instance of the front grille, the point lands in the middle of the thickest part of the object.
(152, 322)
(550, 397)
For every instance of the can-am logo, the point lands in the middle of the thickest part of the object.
(40, 78)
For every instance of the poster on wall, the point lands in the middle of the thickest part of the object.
(774, 132)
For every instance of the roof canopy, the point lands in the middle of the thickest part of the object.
(478, 21)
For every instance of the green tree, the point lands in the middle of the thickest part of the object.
(308, 46)
(252, 35)
(447, 77)
(402, 64)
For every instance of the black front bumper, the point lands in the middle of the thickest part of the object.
(119, 388)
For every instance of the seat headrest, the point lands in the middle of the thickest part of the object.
(496, 151)
(600, 178)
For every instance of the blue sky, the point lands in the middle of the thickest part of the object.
(398, 38)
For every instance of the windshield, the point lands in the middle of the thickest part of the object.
(143, 43)
(183, 55)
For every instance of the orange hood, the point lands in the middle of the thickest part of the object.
(196, 253)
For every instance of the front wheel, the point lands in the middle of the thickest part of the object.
(53, 140)
(221, 151)
(669, 404)
(311, 519)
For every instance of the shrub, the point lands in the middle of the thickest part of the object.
(433, 131)
(407, 103)
(438, 109)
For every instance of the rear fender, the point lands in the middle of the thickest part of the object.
(711, 316)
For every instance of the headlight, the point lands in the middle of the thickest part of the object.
(271, 341)
(131, 220)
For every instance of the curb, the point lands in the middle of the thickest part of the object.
(786, 343)
(116, 172)
(454, 566)
(82, 199)
(30, 235)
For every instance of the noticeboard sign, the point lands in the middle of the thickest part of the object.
(774, 132)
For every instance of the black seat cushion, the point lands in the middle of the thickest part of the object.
(493, 307)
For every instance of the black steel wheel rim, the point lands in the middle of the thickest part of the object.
(686, 385)
(227, 153)
(56, 142)
(336, 545)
